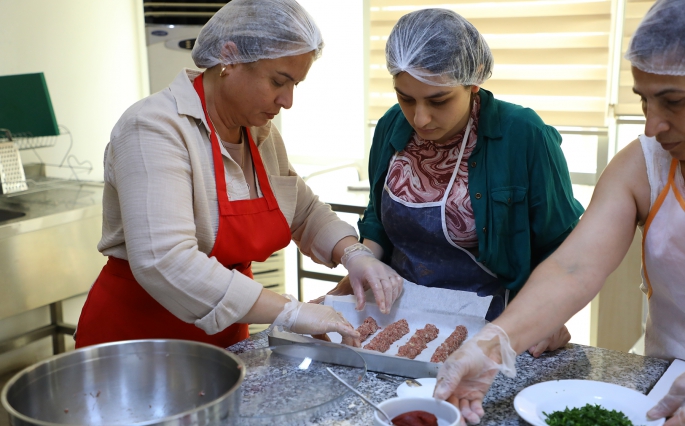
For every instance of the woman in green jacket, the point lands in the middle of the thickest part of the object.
(467, 192)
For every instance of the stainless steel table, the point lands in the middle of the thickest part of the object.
(49, 254)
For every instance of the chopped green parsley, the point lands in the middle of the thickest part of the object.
(590, 415)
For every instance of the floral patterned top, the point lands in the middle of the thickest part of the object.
(422, 172)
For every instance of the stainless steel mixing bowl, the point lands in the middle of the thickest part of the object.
(138, 382)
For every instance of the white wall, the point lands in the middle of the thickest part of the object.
(93, 57)
(327, 121)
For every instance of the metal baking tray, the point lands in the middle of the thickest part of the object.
(418, 305)
(374, 362)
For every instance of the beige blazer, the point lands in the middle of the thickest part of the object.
(161, 210)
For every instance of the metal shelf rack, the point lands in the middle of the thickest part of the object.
(26, 142)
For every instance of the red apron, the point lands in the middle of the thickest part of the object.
(118, 308)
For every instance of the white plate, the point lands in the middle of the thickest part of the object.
(424, 391)
(558, 394)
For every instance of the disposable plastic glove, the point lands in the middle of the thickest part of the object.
(673, 404)
(309, 318)
(467, 374)
(553, 342)
(365, 271)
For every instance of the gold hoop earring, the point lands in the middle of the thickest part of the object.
(221, 74)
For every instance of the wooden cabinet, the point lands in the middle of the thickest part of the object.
(616, 318)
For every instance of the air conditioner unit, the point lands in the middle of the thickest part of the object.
(171, 28)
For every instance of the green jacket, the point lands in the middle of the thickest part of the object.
(519, 185)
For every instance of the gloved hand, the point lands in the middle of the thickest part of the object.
(553, 342)
(365, 271)
(673, 404)
(467, 374)
(309, 318)
(342, 289)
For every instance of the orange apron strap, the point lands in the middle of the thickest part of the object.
(650, 217)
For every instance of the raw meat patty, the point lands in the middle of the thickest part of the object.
(418, 342)
(368, 327)
(450, 344)
(388, 336)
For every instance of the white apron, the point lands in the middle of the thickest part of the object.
(663, 255)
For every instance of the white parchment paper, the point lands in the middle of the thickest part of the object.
(419, 305)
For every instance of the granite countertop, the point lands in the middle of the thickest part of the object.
(573, 362)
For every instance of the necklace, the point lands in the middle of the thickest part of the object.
(242, 156)
(217, 132)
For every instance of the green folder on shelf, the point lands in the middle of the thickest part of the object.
(25, 106)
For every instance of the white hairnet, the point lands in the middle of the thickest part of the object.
(438, 47)
(260, 29)
(658, 45)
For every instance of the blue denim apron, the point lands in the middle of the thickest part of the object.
(425, 254)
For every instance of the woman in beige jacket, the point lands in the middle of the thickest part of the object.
(180, 237)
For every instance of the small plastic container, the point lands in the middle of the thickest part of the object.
(424, 391)
(447, 414)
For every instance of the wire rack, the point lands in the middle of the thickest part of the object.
(24, 141)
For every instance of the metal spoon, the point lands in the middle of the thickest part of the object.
(410, 382)
(413, 383)
(377, 408)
